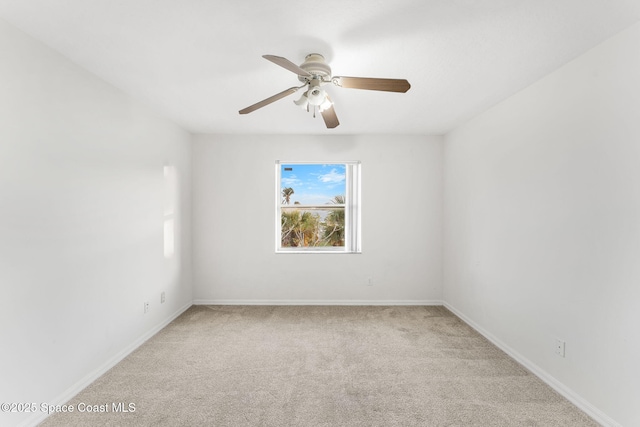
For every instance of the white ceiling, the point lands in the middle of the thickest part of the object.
(198, 62)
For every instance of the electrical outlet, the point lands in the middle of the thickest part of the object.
(560, 348)
(162, 298)
(146, 306)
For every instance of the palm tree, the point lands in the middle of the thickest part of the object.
(333, 225)
(308, 228)
(288, 223)
(299, 228)
(337, 200)
(286, 194)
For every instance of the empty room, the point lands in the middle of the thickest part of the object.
(340, 213)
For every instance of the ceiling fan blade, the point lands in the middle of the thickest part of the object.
(388, 85)
(285, 63)
(269, 100)
(330, 118)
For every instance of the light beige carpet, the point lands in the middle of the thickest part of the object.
(320, 366)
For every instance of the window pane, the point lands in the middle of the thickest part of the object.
(316, 227)
(312, 184)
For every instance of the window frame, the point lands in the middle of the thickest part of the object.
(352, 207)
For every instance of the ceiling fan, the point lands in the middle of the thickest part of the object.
(314, 72)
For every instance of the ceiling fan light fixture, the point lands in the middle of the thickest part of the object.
(316, 95)
(326, 104)
(303, 102)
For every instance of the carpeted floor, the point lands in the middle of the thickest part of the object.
(319, 366)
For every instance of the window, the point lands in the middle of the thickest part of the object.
(318, 207)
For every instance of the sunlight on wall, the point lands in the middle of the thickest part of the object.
(170, 191)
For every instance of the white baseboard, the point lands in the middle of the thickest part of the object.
(312, 302)
(91, 377)
(565, 391)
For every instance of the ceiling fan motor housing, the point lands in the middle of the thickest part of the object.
(315, 65)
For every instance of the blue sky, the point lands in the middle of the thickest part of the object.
(313, 184)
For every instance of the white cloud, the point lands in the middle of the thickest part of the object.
(289, 181)
(332, 177)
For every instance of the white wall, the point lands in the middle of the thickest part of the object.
(542, 226)
(234, 213)
(81, 210)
